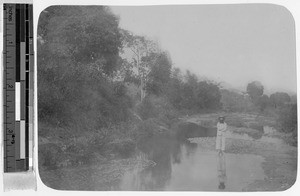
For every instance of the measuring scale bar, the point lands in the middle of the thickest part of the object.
(18, 86)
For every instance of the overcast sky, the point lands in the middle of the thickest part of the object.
(232, 43)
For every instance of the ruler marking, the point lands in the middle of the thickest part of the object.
(22, 139)
(8, 45)
(22, 61)
(18, 43)
(22, 23)
(22, 99)
(18, 101)
(17, 146)
(18, 60)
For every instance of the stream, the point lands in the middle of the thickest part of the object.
(183, 165)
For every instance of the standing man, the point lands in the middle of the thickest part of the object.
(221, 134)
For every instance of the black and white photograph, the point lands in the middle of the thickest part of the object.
(167, 98)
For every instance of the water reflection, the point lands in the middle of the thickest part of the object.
(165, 151)
(222, 170)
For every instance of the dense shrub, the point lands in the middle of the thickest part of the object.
(287, 121)
(122, 147)
(288, 118)
(165, 112)
(159, 108)
(278, 99)
(146, 109)
(145, 130)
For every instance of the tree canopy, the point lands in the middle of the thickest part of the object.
(78, 53)
(255, 89)
(279, 99)
(81, 34)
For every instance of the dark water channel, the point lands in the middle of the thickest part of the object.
(185, 166)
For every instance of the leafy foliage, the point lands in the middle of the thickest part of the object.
(82, 34)
(235, 102)
(138, 50)
(288, 118)
(159, 74)
(78, 52)
(279, 99)
(173, 90)
(191, 94)
(262, 102)
(146, 109)
(255, 90)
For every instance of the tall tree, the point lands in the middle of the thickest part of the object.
(140, 49)
(255, 90)
(262, 102)
(279, 99)
(208, 95)
(160, 71)
(189, 91)
(86, 35)
(174, 88)
(78, 53)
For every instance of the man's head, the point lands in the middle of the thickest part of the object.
(221, 119)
